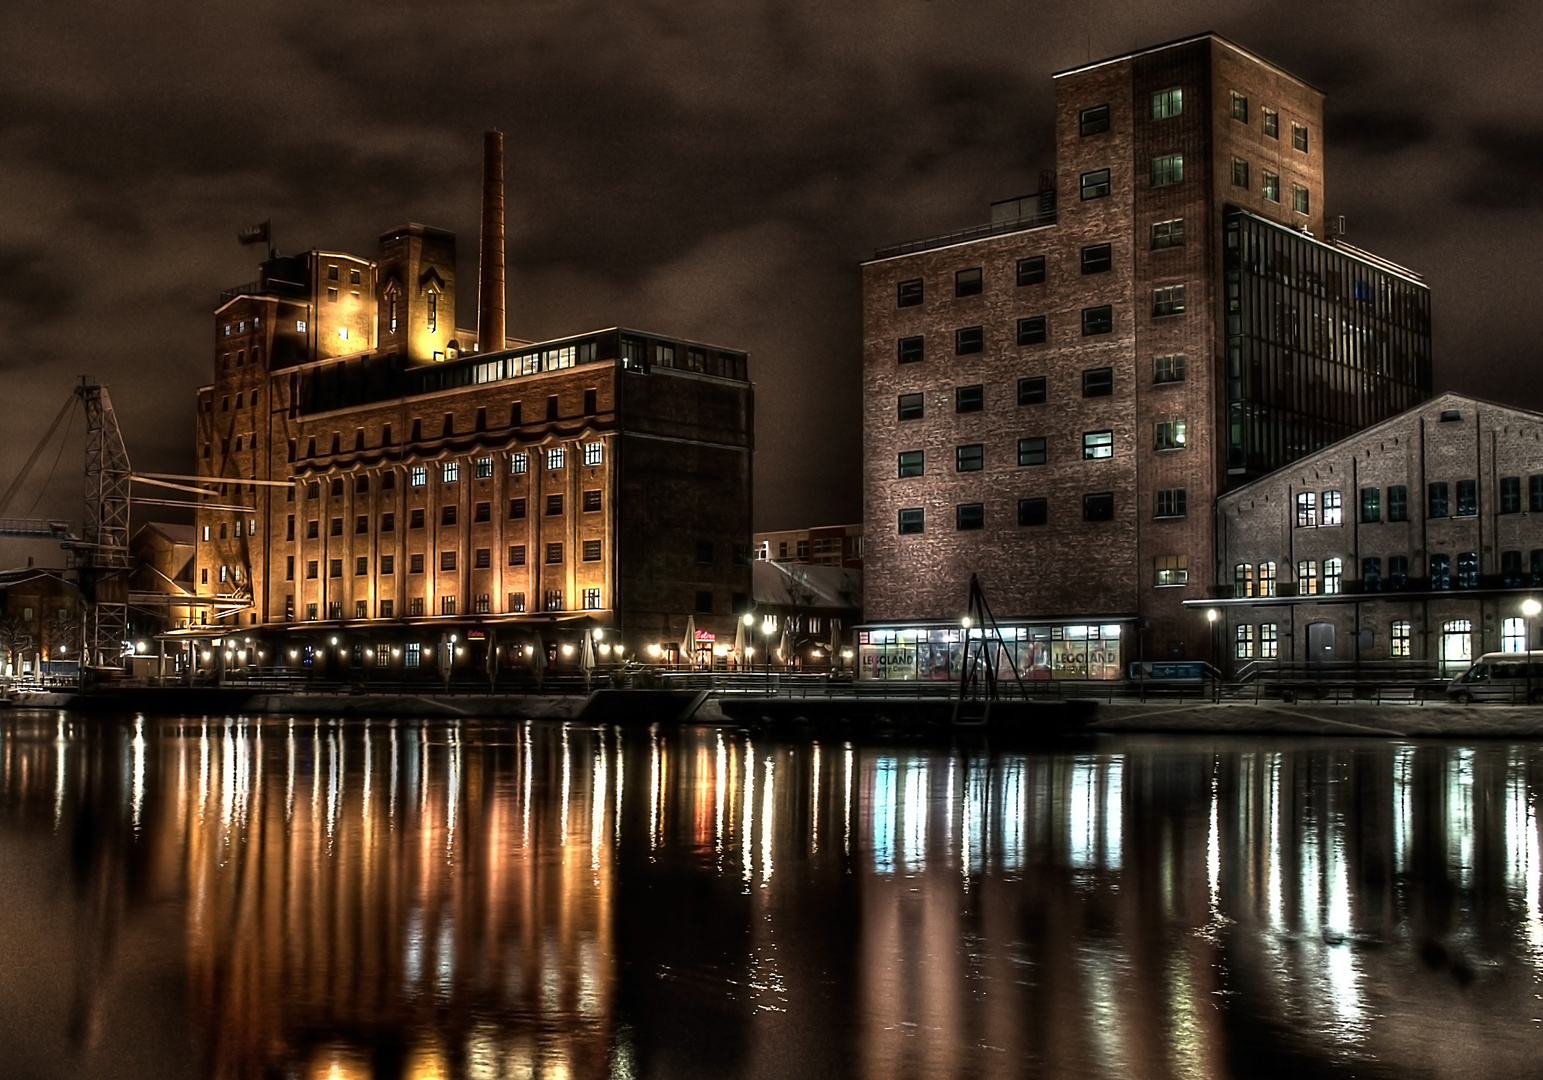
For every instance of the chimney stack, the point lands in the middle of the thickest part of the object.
(491, 295)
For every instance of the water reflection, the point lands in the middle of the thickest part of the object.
(404, 900)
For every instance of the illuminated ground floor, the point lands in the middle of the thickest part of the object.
(923, 652)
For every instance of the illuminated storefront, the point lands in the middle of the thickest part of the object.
(1040, 651)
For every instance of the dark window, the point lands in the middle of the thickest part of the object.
(516, 508)
(1093, 121)
(969, 398)
(968, 282)
(1437, 505)
(482, 512)
(591, 402)
(912, 406)
(336, 486)
(361, 565)
(1098, 382)
(592, 551)
(910, 463)
(1371, 504)
(447, 560)
(591, 500)
(1510, 569)
(1032, 511)
(361, 524)
(970, 457)
(1398, 571)
(1299, 137)
(516, 554)
(388, 565)
(310, 568)
(1098, 506)
(1467, 569)
(554, 505)
(1398, 503)
(1095, 185)
(909, 350)
(554, 553)
(908, 293)
(1031, 330)
(1167, 234)
(1031, 390)
(335, 527)
(1031, 451)
(447, 514)
(969, 339)
(1171, 502)
(289, 529)
(1371, 575)
(1097, 258)
(483, 558)
(1269, 121)
(704, 602)
(912, 520)
(1168, 368)
(415, 564)
(1441, 571)
(1536, 575)
(334, 567)
(1510, 494)
(970, 516)
(289, 568)
(1467, 498)
(1239, 173)
(1097, 320)
(1168, 300)
(704, 551)
(1031, 271)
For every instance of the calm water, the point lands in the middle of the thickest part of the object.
(263, 899)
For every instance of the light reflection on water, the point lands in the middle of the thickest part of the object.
(236, 898)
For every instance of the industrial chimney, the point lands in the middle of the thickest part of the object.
(490, 294)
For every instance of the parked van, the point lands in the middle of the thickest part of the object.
(1501, 676)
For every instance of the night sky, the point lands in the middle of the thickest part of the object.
(715, 170)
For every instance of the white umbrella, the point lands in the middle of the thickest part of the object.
(785, 647)
(688, 641)
(492, 647)
(538, 659)
(587, 657)
(835, 641)
(739, 642)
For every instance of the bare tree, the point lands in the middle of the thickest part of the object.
(14, 639)
(61, 634)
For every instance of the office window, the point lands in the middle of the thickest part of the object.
(1333, 571)
(1097, 258)
(1299, 137)
(1437, 503)
(1266, 579)
(1467, 569)
(591, 500)
(908, 293)
(1031, 451)
(969, 398)
(1441, 571)
(1031, 390)
(1299, 198)
(1167, 103)
(1239, 173)
(1398, 571)
(1167, 169)
(387, 565)
(1095, 184)
(334, 568)
(1332, 509)
(909, 350)
(1467, 498)
(519, 463)
(361, 564)
(969, 516)
(1170, 435)
(555, 458)
(1097, 320)
(1097, 444)
(1094, 121)
(912, 520)
(1168, 300)
(1307, 577)
(516, 508)
(1270, 122)
(516, 603)
(1511, 569)
(1371, 574)
(553, 600)
(1098, 506)
(970, 457)
(911, 406)
(1170, 570)
(969, 339)
(450, 471)
(1239, 107)
(1171, 503)
(554, 505)
(1031, 271)
(1031, 330)
(1242, 581)
(554, 553)
(1167, 234)
(1307, 509)
(1269, 185)
(447, 605)
(1371, 505)
(1243, 649)
(1398, 503)
(447, 560)
(516, 554)
(1169, 368)
(592, 551)
(418, 475)
(1033, 511)
(968, 282)
(593, 453)
(1510, 494)
(910, 463)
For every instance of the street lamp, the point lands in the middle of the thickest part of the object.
(1530, 609)
(1211, 617)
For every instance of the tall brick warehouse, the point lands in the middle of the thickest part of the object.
(1055, 399)
(387, 480)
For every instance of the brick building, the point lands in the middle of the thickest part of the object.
(387, 480)
(1054, 400)
(1415, 540)
(822, 545)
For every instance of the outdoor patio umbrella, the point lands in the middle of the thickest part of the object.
(492, 646)
(785, 646)
(587, 657)
(538, 658)
(688, 641)
(835, 643)
(739, 643)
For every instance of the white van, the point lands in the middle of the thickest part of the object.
(1501, 676)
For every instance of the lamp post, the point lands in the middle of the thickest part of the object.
(1211, 617)
(1530, 609)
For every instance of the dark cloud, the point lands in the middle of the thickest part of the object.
(1505, 175)
(1378, 131)
(35, 292)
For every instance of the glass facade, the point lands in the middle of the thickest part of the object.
(1320, 344)
(1041, 652)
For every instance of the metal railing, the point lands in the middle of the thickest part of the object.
(995, 228)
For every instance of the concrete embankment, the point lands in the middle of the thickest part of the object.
(1436, 720)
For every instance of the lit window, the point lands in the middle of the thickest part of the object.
(1171, 570)
(1269, 185)
(591, 599)
(451, 472)
(593, 452)
(1333, 570)
(1168, 300)
(1170, 435)
(1167, 103)
(342, 333)
(1307, 577)
(484, 467)
(554, 458)
(1399, 636)
(1244, 647)
(1269, 641)
(1239, 173)
(1167, 169)
(1307, 510)
(1239, 107)
(418, 475)
(1270, 121)
(1097, 444)
(1266, 579)
(518, 463)
(1095, 184)
(1332, 511)
(1242, 581)
(1169, 368)
(1371, 504)
(300, 326)
(1513, 635)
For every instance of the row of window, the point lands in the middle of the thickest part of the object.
(1168, 170)
(1269, 185)
(1326, 578)
(1034, 450)
(482, 604)
(1035, 329)
(1096, 506)
(447, 425)
(1168, 103)
(482, 559)
(1033, 389)
(1439, 503)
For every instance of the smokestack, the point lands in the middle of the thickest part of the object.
(490, 295)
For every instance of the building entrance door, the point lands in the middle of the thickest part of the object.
(1456, 645)
(1320, 642)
